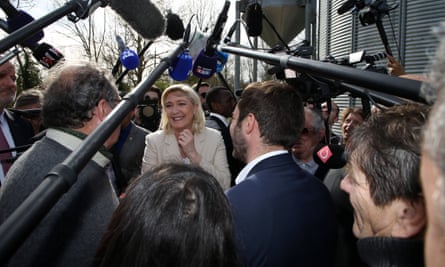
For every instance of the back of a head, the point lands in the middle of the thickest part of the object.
(29, 97)
(214, 96)
(386, 148)
(72, 94)
(175, 215)
(277, 107)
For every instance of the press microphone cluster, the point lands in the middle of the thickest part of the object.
(331, 156)
(44, 53)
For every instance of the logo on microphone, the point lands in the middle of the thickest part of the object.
(324, 154)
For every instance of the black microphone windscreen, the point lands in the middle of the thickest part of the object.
(175, 27)
(142, 15)
(331, 156)
(254, 19)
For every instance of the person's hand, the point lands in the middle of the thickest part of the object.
(394, 67)
(186, 141)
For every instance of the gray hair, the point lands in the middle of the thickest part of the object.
(72, 94)
(317, 118)
(434, 137)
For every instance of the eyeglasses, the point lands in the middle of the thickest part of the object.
(203, 95)
(307, 131)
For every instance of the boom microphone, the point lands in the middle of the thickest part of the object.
(143, 16)
(254, 19)
(331, 156)
(175, 27)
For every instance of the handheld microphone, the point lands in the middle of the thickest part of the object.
(143, 16)
(254, 19)
(180, 68)
(331, 156)
(128, 57)
(175, 27)
(222, 58)
(47, 55)
(205, 64)
(348, 5)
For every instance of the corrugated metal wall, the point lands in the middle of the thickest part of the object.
(408, 28)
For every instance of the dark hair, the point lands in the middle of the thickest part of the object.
(72, 95)
(29, 97)
(214, 95)
(157, 90)
(174, 215)
(277, 107)
(386, 148)
(196, 86)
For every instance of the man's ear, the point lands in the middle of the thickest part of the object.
(101, 109)
(250, 122)
(411, 218)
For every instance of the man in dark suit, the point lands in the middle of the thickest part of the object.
(128, 153)
(15, 131)
(221, 102)
(283, 215)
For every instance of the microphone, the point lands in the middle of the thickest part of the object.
(331, 156)
(181, 66)
(128, 57)
(205, 64)
(221, 60)
(254, 19)
(346, 7)
(142, 15)
(175, 27)
(17, 19)
(46, 55)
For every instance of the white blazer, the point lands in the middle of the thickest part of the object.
(162, 148)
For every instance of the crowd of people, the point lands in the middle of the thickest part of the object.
(217, 180)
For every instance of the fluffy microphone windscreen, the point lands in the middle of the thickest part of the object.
(142, 15)
(254, 19)
(175, 27)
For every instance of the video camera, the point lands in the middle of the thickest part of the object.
(149, 113)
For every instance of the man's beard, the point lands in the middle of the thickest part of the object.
(239, 145)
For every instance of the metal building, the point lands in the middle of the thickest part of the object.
(408, 28)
